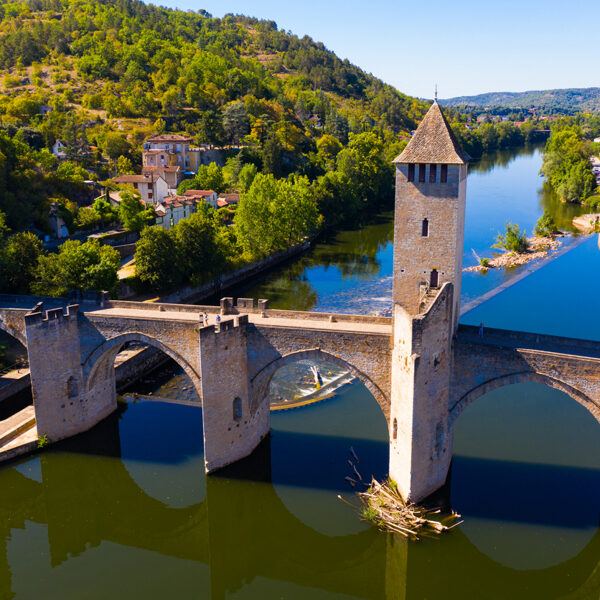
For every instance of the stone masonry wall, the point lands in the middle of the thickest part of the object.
(231, 430)
(367, 355)
(420, 439)
(480, 368)
(415, 255)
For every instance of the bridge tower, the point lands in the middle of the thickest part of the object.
(431, 176)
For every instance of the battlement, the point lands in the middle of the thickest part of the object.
(224, 326)
(37, 316)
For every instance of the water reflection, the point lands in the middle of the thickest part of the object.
(269, 526)
(351, 271)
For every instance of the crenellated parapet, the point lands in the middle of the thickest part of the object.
(38, 316)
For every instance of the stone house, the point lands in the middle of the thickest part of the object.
(208, 196)
(171, 150)
(172, 175)
(152, 188)
(227, 200)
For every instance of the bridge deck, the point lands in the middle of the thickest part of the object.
(529, 341)
(360, 327)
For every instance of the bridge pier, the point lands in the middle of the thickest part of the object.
(232, 430)
(62, 408)
(420, 432)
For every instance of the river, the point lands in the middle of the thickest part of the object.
(125, 511)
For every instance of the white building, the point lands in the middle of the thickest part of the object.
(151, 188)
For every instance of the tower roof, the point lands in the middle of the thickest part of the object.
(434, 142)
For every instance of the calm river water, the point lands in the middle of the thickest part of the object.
(125, 511)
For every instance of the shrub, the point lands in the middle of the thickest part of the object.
(513, 240)
(546, 225)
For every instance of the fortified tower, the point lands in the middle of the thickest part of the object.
(429, 223)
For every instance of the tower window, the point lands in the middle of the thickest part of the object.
(425, 228)
(444, 174)
(422, 173)
(432, 173)
(411, 172)
(237, 409)
(395, 430)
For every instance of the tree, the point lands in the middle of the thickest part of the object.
(124, 166)
(274, 215)
(200, 257)
(235, 121)
(132, 212)
(208, 177)
(513, 240)
(103, 208)
(157, 263)
(546, 225)
(115, 145)
(77, 266)
(18, 262)
(246, 176)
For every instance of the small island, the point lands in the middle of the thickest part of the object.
(519, 249)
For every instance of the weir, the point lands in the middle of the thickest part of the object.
(422, 368)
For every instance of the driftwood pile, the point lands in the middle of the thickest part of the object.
(384, 507)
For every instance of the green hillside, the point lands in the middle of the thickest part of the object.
(123, 59)
(566, 101)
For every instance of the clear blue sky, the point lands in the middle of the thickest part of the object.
(466, 46)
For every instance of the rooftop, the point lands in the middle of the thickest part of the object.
(168, 137)
(434, 142)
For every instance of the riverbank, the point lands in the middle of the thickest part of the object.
(539, 247)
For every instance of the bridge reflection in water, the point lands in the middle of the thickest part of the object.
(242, 535)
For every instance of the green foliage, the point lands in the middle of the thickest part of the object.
(157, 263)
(77, 266)
(200, 255)
(566, 163)
(124, 166)
(18, 262)
(42, 441)
(275, 214)
(208, 177)
(484, 262)
(513, 240)
(546, 225)
(132, 213)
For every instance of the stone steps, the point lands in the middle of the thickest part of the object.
(15, 425)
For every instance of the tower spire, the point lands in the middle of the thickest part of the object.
(435, 95)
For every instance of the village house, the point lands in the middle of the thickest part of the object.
(208, 196)
(59, 149)
(151, 188)
(175, 208)
(171, 150)
(172, 175)
(227, 200)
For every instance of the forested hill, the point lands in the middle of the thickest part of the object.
(123, 59)
(565, 101)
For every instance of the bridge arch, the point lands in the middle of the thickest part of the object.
(105, 354)
(261, 381)
(13, 332)
(524, 377)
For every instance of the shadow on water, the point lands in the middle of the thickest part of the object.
(524, 492)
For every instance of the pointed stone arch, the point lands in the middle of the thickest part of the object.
(261, 381)
(524, 377)
(104, 355)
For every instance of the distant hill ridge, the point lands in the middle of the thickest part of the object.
(569, 100)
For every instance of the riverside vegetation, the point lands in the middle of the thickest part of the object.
(301, 132)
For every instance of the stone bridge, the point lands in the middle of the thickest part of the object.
(72, 349)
